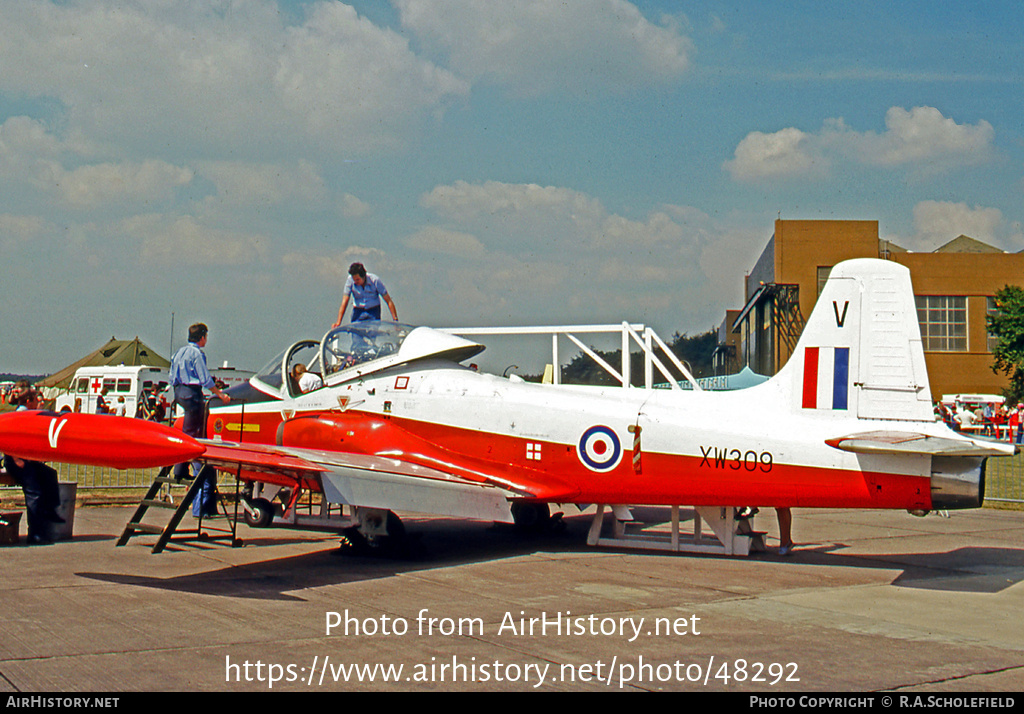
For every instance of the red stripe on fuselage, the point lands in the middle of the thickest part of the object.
(666, 479)
(680, 479)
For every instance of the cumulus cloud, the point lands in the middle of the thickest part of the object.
(333, 267)
(532, 47)
(353, 207)
(219, 76)
(186, 241)
(247, 183)
(20, 226)
(921, 135)
(938, 222)
(921, 139)
(434, 239)
(789, 152)
(507, 253)
(340, 66)
(102, 184)
(16, 228)
(544, 219)
(31, 155)
(465, 201)
(24, 136)
(543, 242)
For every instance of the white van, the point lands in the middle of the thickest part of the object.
(972, 401)
(128, 382)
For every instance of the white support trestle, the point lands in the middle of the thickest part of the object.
(729, 535)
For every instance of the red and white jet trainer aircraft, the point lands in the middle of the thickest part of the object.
(398, 424)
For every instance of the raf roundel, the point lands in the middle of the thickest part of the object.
(599, 449)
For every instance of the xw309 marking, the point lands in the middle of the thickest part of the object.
(750, 460)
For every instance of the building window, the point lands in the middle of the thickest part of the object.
(823, 272)
(943, 321)
(991, 310)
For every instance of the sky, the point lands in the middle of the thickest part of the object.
(524, 162)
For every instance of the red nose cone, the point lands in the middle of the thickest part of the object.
(95, 439)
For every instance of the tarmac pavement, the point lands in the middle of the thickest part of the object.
(869, 601)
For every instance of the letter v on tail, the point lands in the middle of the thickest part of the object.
(840, 319)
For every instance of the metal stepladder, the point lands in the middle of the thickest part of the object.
(165, 478)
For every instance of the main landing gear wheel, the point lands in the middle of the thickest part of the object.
(377, 538)
(262, 514)
(530, 517)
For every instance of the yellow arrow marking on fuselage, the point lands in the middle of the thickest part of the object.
(237, 426)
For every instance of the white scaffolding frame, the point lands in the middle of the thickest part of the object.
(644, 337)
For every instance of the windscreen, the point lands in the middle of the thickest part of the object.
(270, 375)
(359, 342)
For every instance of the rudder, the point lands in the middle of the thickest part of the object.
(860, 353)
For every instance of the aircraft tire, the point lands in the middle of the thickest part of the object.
(353, 542)
(263, 514)
(530, 517)
(394, 544)
(396, 533)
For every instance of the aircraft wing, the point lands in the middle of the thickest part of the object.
(382, 482)
(903, 442)
(391, 483)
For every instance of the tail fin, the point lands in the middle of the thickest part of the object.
(860, 353)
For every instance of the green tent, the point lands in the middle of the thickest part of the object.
(116, 352)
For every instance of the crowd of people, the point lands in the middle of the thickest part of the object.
(1002, 422)
(152, 405)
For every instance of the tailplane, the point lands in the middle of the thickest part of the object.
(860, 353)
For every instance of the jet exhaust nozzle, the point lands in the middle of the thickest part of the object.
(958, 482)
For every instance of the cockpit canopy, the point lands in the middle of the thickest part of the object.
(358, 349)
(349, 345)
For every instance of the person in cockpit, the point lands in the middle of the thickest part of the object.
(307, 381)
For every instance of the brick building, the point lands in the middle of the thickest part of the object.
(954, 287)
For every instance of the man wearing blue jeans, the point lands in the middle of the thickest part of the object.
(366, 291)
(188, 377)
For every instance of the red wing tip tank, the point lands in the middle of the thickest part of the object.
(94, 439)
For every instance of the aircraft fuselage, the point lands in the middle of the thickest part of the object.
(582, 443)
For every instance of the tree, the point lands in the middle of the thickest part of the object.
(1007, 325)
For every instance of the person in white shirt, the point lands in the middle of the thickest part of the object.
(307, 381)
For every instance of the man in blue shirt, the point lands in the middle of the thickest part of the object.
(188, 377)
(366, 291)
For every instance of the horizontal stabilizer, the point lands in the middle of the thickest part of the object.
(903, 442)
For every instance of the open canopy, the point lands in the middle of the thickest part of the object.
(360, 348)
